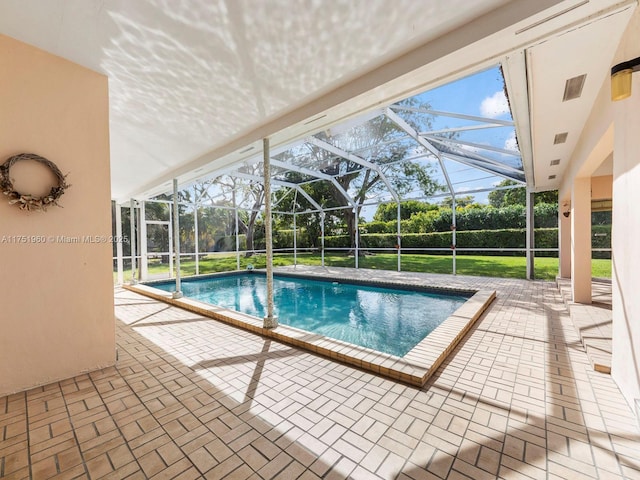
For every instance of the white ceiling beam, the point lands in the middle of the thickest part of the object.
(517, 83)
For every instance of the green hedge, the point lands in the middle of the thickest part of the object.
(486, 218)
(502, 238)
(498, 238)
(284, 239)
(601, 238)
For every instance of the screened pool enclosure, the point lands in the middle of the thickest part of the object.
(404, 179)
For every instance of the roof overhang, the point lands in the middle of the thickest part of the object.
(195, 87)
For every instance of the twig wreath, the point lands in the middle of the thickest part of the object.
(27, 201)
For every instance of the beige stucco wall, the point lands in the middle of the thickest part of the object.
(602, 187)
(625, 367)
(56, 298)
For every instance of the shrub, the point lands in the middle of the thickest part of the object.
(500, 238)
(471, 218)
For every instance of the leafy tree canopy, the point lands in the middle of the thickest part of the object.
(389, 211)
(517, 196)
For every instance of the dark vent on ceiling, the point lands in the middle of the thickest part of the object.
(555, 162)
(552, 177)
(573, 87)
(246, 150)
(560, 138)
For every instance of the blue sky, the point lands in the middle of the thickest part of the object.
(480, 94)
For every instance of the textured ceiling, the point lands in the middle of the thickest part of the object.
(188, 79)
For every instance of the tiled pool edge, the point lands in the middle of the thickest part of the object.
(415, 368)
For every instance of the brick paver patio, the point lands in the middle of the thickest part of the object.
(194, 398)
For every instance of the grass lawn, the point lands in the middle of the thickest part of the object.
(491, 266)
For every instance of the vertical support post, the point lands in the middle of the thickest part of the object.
(235, 212)
(143, 272)
(119, 239)
(171, 249)
(399, 242)
(132, 224)
(176, 237)
(530, 239)
(322, 216)
(196, 245)
(581, 240)
(357, 237)
(564, 240)
(454, 228)
(295, 241)
(270, 321)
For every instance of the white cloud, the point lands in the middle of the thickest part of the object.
(511, 143)
(495, 105)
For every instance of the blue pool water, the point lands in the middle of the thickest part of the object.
(383, 319)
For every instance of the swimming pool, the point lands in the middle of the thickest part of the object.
(387, 320)
(415, 368)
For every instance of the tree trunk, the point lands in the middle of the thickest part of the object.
(251, 227)
(249, 252)
(350, 220)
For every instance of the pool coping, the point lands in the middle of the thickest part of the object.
(414, 368)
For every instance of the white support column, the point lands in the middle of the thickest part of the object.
(132, 225)
(295, 241)
(176, 237)
(454, 227)
(237, 230)
(564, 239)
(357, 237)
(196, 245)
(399, 243)
(581, 240)
(235, 209)
(625, 238)
(530, 232)
(170, 234)
(322, 216)
(270, 321)
(144, 259)
(119, 263)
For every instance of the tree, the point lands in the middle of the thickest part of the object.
(374, 141)
(230, 191)
(462, 201)
(517, 196)
(387, 212)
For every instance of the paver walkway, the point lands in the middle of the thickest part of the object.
(194, 398)
(593, 322)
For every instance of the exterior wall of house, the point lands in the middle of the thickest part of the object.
(625, 366)
(613, 127)
(56, 286)
(602, 187)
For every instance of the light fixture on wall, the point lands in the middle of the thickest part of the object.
(566, 209)
(621, 78)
